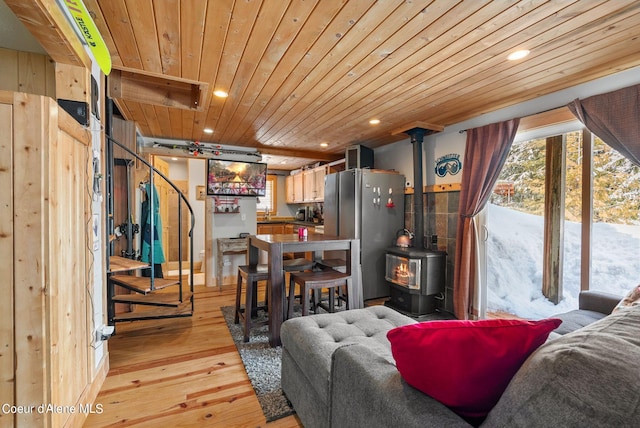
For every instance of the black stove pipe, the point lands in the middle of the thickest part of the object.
(417, 137)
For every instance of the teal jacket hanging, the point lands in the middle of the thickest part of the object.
(158, 253)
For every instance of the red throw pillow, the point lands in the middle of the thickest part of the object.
(466, 365)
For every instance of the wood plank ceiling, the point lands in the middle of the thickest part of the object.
(301, 73)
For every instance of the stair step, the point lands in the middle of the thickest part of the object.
(183, 310)
(142, 284)
(123, 264)
(154, 299)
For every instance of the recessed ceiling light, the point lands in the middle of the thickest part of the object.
(374, 121)
(220, 93)
(324, 144)
(208, 131)
(513, 56)
(174, 159)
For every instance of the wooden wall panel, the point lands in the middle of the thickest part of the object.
(6, 263)
(124, 132)
(32, 70)
(31, 283)
(69, 221)
(27, 72)
(73, 83)
(51, 261)
(9, 70)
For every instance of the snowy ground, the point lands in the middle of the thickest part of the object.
(514, 259)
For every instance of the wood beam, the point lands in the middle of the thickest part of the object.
(297, 153)
(48, 24)
(419, 124)
(587, 209)
(554, 218)
(555, 116)
(183, 152)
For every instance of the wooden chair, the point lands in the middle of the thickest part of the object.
(316, 280)
(250, 275)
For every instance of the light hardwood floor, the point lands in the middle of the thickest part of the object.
(183, 372)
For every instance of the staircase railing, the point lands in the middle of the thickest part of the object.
(182, 199)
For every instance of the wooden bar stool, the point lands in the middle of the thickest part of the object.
(296, 265)
(317, 280)
(251, 275)
(336, 264)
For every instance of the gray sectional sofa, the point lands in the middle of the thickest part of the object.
(338, 371)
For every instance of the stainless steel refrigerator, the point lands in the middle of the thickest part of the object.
(368, 205)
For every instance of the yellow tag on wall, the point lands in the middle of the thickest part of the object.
(91, 34)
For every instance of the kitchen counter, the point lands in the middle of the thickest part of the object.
(290, 221)
(279, 226)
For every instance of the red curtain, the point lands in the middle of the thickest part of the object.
(485, 153)
(614, 117)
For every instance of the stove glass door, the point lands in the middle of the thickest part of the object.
(403, 271)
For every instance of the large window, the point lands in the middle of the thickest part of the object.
(267, 203)
(520, 238)
(615, 241)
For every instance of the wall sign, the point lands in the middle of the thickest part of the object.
(448, 164)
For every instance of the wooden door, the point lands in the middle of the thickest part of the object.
(163, 194)
(174, 236)
(120, 200)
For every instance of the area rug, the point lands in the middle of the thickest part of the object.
(262, 363)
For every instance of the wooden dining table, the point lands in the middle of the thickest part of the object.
(277, 245)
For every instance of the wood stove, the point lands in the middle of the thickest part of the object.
(416, 279)
(416, 275)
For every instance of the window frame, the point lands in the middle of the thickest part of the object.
(273, 179)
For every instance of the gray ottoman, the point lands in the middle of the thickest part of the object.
(308, 344)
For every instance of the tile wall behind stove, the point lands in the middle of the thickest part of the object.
(441, 220)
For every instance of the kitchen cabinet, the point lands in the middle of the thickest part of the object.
(289, 193)
(318, 179)
(306, 186)
(271, 228)
(308, 180)
(314, 184)
(298, 188)
(277, 228)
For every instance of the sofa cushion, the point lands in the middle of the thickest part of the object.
(367, 391)
(631, 299)
(576, 319)
(466, 365)
(312, 340)
(590, 377)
